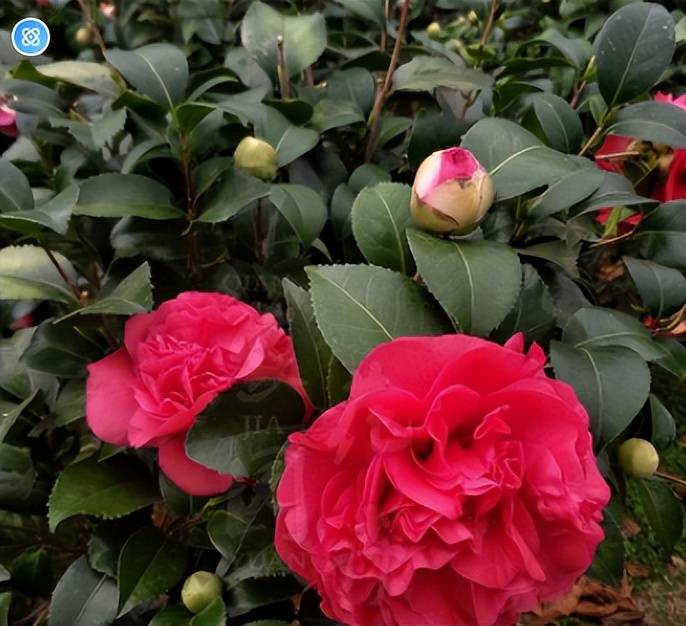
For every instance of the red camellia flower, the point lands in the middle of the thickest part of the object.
(457, 485)
(175, 361)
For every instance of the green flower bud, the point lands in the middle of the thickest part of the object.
(638, 458)
(200, 590)
(256, 157)
(433, 29)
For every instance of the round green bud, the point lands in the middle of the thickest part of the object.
(433, 29)
(200, 590)
(638, 458)
(256, 157)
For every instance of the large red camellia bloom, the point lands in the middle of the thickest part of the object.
(174, 362)
(456, 486)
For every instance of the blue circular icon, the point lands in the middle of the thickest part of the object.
(30, 37)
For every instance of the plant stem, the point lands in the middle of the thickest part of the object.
(87, 11)
(670, 477)
(490, 22)
(193, 248)
(281, 69)
(384, 36)
(67, 281)
(373, 123)
(591, 140)
(259, 233)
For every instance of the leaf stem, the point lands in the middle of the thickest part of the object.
(677, 480)
(281, 69)
(67, 281)
(373, 123)
(87, 11)
(384, 36)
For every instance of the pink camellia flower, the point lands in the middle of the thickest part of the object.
(174, 362)
(451, 192)
(8, 121)
(457, 485)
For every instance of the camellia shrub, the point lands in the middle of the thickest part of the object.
(343, 311)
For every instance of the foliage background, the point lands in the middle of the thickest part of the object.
(122, 178)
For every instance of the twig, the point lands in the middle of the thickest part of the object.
(577, 94)
(259, 233)
(67, 281)
(92, 24)
(373, 122)
(490, 22)
(194, 261)
(604, 242)
(591, 140)
(281, 69)
(308, 75)
(616, 155)
(675, 479)
(384, 36)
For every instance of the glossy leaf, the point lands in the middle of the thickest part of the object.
(664, 511)
(662, 289)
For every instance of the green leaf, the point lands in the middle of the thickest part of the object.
(242, 430)
(534, 312)
(358, 307)
(17, 474)
(559, 121)
(311, 350)
(566, 192)
(303, 209)
(370, 10)
(86, 74)
(27, 273)
(662, 289)
(338, 381)
(149, 564)
(304, 37)
(664, 511)
(124, 195)
(172, 616)
(289, 141)
(53, 214)
(213, 615)
(662, 235)
(330, 114)
(234, 191)
(10, 413)
(425, 73)
(515, 158)
(663, 431)
(633, 49)
(476, 282)
(158, 70)
(15, 377)
(15, 191)
(83, 598)
(608, 564)
(106, 490)
(674, 359)
(5, 600)
(97, 134)
(615, 190)
(612, 383)
(355, 85)
(380, 215)
(659, 122)
(592, 327)
(60, 349)
(132, 295)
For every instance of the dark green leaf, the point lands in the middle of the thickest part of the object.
(611, 382)
(664, 511)
(149, 564)
(15, 377)
(662, 289)
(86, 74)
(566, 192)
(369, 10)
(289, 141)
(304, 37)
(53, 214)
(106, 490)
(213, 615)
(234, 191)
(476, 282)
(663, 431)
(633, 49)
(559, 121)
(303, 209)
(662, 235)
(158, 70)
(242, 430)
(83, 598)
(424, 73)
(330, 114)
(172, 616)
(17, 474)
(659, 122)
(311, 350)
(380, 215)
(122, 195)
(608, 564)
(358, 307)
(15, 192)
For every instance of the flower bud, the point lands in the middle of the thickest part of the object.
(84, 36)
(8, 121)
(638, 458)
(200, 590)
(451, 192)
(256, 157)
(433, 29)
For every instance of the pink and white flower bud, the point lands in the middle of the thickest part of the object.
(451, 193)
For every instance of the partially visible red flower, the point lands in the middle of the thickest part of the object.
(624, 226)
(613, 145)
(674, 186)
(108, 9)
(174, 362)
(8, 121)
(25, 321)
(456, 486)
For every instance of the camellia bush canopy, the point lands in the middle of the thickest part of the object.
(359, 312)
